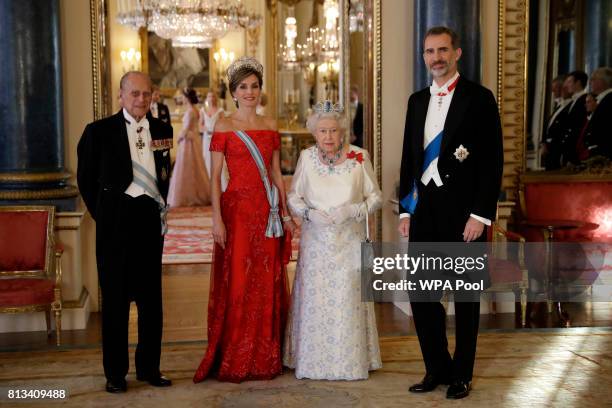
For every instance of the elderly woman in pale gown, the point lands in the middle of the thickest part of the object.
(331, 334)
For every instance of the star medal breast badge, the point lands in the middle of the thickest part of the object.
(461, 153)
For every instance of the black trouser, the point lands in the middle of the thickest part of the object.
(435, 220)
(135, 277)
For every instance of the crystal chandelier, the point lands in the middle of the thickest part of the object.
(322, 44)
(188, 23)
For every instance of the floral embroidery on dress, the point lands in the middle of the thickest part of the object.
(343, 168)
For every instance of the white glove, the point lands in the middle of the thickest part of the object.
(319, 217)
(346, 212)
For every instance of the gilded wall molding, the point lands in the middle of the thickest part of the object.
(377, 114)
(99, 58)
(512, 88)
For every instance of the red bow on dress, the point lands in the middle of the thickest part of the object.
(356, 156)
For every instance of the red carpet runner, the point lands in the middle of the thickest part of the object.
(189, 239)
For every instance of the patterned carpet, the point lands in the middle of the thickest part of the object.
(189, 239)
(561, 368)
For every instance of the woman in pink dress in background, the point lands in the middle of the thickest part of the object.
(189, 184)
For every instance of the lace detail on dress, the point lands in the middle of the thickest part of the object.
(248, 298)
(343, 168)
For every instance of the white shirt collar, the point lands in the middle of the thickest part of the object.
(434, 89)
(603, 94)
(578, 94)
(133, 121)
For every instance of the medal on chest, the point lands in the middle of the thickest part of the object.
(140, 144)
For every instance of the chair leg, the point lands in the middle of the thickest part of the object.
(523, 307)
(492, 303)
(48, 321)
(58, 326)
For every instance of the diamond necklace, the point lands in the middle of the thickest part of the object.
(330, 161)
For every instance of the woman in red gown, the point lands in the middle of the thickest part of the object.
(248, 299)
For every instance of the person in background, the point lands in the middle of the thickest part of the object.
(356, 117)
(159, 110)
(263, 102)
(189, 184)
(554, 125)
(576, 83)
(581, 150)
(598, 138)
(209, 114)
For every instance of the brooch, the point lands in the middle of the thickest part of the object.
(161, 144)
(461, 153)
(356, 156)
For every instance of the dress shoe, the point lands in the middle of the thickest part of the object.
(458, 389)
(429, 383)
(156, 381)
(116, 386)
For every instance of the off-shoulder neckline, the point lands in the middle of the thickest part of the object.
(247, 130)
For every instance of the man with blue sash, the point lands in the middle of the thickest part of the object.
(450, 180)
(123, 172)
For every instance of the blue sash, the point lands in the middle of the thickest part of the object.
(145, 180)
(275, 227)
(431, 153)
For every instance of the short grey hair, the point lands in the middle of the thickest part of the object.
(313, 121)
(605, 74)
(126, 77)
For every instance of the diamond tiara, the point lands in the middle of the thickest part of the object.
(243, 62)
(328, 107)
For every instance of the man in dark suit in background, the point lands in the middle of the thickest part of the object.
(553, 129)
(158, 109)
(598, 137)
(576, 83)
(123, 171)
(357, 118)
(450, 179)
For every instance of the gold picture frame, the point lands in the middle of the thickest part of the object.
(513, 20)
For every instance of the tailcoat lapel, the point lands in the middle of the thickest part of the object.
(456, 113)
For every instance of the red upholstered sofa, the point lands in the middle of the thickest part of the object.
(30, 269)
(580, 253)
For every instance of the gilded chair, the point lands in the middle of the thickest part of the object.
(507, 267)
(30, 268)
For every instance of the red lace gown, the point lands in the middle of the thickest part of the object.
(248, 290)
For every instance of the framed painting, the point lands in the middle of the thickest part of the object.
(172, 68)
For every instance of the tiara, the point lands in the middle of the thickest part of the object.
(328, 107)
(243, 62)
